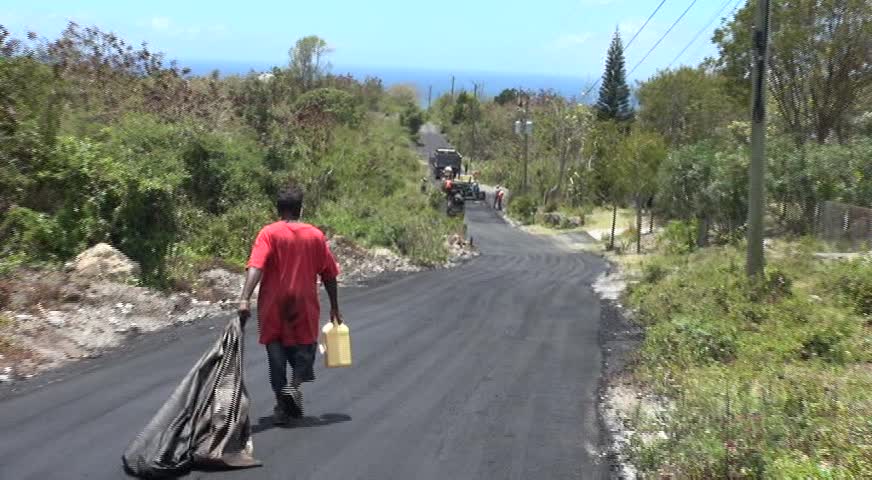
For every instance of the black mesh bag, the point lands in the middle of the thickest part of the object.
(204, 424)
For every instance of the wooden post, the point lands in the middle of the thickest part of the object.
(638, 224)
(614, 220)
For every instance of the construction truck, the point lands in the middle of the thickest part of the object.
(445, 157)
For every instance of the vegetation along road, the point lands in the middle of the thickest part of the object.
(486, 371)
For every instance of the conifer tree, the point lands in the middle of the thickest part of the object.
(614, 94)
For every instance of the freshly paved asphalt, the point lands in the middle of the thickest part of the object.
(489, 370)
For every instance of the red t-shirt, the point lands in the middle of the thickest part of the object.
(291, 256)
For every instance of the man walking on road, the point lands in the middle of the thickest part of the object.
(287, 258)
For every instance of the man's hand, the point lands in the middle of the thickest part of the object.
(252, 278)
(244, 312)
(335, 316)
(333, 292)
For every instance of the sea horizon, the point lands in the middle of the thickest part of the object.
(423, 79)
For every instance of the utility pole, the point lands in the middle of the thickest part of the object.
(526, 149)
(757, 170)
(452, 87)
(429, 96)
(475, 90)
(523, 127)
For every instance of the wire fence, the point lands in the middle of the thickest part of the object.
(842, 227)
(847, 227)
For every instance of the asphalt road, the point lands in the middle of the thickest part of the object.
(489, 370)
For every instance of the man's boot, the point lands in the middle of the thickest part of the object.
(292, 401)
(281, 414)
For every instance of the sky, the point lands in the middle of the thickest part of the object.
(545, 37)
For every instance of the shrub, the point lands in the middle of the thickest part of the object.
(852, 281)
(412, 118)
(678, 238)
(436, 199)
(30, 233)
(654, 271)
(825, 345)
(795, 465)
(327, 106)
(228, 236)
(523, 207)
(776, 285)
(691, 341)
(169, 167)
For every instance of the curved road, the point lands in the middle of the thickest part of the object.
(488, 371)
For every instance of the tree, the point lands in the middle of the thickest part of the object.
(608, 167)
(321, 109)
(705, 182)
(507, 96)
(464, 108)
(400, 97)
(306, 60)
(820, 62)
(614, 94)
(686, 105)
(641, 153)
(412, 118)
(565, 126)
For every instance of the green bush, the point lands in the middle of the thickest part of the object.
(329, 105)
(436, 199)
(825, 344)
(412, 118)
(853, 282)
(691, 341)
(33, 234)
(181, 171)
(523, 207)
(678, 237)
(228, 236)
(654, 271)
(798, 466)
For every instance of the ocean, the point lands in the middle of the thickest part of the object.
(492, 83)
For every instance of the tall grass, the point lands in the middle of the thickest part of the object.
(766, 379)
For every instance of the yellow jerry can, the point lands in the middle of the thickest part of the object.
(336, 345)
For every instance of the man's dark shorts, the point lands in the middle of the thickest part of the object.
(301, 358)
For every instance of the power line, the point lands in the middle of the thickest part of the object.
(629, 43)
(664, 36)
(644, 24)
(702, 30)
(740, 3)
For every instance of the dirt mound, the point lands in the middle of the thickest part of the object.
(52, 316)
(104, 262)
(219, 284)
(459, 249)
(358, 263)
